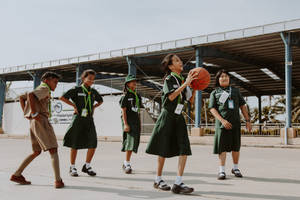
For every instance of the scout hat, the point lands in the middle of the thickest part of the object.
(130, 78)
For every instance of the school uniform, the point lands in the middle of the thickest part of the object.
(41, 131)
(169, 136)
(131, 139)
(81, 133)
(41, 134)
(227, 140)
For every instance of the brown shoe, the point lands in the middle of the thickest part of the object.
(20, 179)
(59, 184)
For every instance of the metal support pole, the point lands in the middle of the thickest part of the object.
(131, 66)
(2, 101)
(259, 114)
(79, 70)
(36, 80)
(286, 37)
(198, 100)
(36, 77)
(205, 112)
(189, 113)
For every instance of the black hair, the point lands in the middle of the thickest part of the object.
(87, 72)
(166, 62)
(50, 75)
(125, 89)
(218, 75)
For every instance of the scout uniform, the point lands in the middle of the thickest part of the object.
(133, 103)
(228, 108)
(81, 133)
(41, 131)
(170, 137)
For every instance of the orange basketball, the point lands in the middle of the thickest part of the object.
(203, 79)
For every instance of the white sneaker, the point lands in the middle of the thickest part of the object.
(127, 169)
(73, 171)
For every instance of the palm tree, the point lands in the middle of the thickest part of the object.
(268, 114)
(280, 107)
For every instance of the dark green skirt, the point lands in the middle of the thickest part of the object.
(227, 140)
(169, 137)
(81, 133)
(131, 139)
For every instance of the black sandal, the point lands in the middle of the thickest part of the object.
(89, 170)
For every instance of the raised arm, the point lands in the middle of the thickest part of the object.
(191, 76)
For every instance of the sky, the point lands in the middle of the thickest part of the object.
(33, 30)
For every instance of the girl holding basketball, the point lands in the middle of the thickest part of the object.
(225, 102)
(170, 137)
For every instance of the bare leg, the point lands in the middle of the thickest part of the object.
(26, 162)
(235, 157)
(161, 162)
(222, 158)
(55, 163)
(73, 156)
(89, 155)
(128, 155)
(181, 164)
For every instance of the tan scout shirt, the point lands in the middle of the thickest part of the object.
(42, 107)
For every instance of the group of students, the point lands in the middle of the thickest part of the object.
(169, 137)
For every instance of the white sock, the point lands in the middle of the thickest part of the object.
(178, 180)
(126, 162)
(87, 165)
(235, 166)
(72, 166)
(222, 169)
(158, 179)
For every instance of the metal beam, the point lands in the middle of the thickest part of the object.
(143, 82)
(2, 101)
(286, 37)
(146, 61)
(151, 85)
(250, 88)
(36, 77)
(213, 52)
(259, 113)
(131, 66)
(295, 39)
(79, 70)
(198, 102)
(166, 52)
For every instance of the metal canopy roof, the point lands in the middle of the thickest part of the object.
(255, 55)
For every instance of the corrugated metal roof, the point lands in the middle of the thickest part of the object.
(245, 52)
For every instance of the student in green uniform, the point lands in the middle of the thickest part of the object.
(130, 103)
(170, 137)
(81, 133)
(225, 103)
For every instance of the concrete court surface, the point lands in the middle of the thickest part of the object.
(270, 173)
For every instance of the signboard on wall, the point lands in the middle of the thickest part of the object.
(61, 113)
